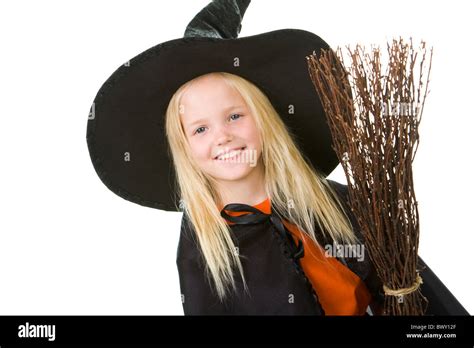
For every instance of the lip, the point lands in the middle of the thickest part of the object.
(226, 152)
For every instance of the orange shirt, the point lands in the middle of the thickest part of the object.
(339, 290)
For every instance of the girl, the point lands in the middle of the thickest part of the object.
(259, 222)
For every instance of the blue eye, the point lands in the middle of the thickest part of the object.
(197, 130)
(235, 115)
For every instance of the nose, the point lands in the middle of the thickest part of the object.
(223, 136)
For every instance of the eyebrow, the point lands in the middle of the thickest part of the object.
(225, 110)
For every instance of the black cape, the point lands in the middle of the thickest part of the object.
(276, 282)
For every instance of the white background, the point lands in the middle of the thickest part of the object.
(68, 245)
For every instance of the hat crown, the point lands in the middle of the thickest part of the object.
(219, 19)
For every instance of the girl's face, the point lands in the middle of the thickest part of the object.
(216, 121)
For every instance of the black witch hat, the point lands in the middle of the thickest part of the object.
(125, 131)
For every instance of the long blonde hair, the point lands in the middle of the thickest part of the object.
(312, 198)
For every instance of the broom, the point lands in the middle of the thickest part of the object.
(374, 117)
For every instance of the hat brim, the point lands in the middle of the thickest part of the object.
(125, 131)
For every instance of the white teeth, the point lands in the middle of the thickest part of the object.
(230, 154)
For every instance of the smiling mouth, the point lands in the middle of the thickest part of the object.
(229, 154)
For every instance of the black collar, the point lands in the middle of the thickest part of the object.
(255, 216)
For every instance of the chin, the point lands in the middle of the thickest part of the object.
(231, 174)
